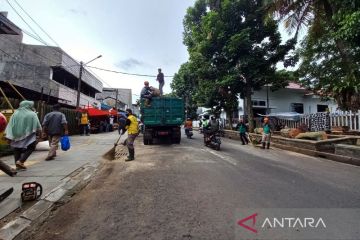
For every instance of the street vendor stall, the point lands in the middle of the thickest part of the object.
(100, 120)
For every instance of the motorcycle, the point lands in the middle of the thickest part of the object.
(213, 140)
(189, 132)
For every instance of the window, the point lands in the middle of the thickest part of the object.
(297, 107)
(258, 103)
(322, 108)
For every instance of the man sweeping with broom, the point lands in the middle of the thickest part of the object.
(132, 128)
(133, 131)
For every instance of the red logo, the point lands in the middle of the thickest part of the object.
(253, 217)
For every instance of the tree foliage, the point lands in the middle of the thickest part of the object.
(233, 51)
(330, 51)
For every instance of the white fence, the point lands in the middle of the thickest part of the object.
(338, 119)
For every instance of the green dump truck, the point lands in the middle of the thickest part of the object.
(162, 118)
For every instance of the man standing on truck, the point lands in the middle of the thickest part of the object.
(132, 127)
(160, 79)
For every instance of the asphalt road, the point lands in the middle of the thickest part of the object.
(188, 191)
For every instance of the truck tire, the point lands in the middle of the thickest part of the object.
(176, 136)
(147, 137)
(176, 140)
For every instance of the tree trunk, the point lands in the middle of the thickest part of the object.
(248, 107)
(229, 115)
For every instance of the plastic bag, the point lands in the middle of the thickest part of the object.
(65, 143)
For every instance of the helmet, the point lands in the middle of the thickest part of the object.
(3, 122)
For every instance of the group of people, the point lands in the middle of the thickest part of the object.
(210, 126)
(24, 131)
(266, 133)
(148, 92)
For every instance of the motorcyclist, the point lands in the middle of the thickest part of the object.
(206, 130)
(188, 126)
(213, 126)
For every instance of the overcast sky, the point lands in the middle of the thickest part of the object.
(135, 36)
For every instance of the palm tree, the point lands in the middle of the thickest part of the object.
(317, 16)
(300, 13)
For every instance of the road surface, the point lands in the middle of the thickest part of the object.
(188, 191)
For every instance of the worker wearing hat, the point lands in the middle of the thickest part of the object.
(265, 140)
(146, 93)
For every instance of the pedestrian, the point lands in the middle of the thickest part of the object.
(23, 132)
(54, 126)
(121, 124)
(146, 94)
(84, 124)
(132, 128)
(242, 131)
(265, 140)
(160, 79)
(111, 123)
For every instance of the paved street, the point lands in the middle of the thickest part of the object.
(188, 191)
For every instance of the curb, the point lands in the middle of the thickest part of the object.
(39, 211)
(324, 155)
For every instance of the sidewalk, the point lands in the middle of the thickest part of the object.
(84, 150)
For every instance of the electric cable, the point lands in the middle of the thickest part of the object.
(125, 73)
(36, 23)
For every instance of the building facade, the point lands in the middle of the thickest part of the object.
(292, 98)
(43, 72)
(109, 96)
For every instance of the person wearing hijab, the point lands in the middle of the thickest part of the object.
(21, 131)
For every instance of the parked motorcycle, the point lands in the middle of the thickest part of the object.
(189, 132)
(213, 140)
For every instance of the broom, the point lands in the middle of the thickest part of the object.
(110, 155)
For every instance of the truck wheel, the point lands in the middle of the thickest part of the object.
(176, 140)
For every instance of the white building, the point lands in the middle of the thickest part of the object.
(293, 98)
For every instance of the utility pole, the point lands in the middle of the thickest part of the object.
(116, 105)
(79, 85)
(116, 101)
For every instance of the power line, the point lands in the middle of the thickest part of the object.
(38, 38)
(102, 80)
(125, 73)
(38, 74)
(36, 23)
(37, 54)
(24, 20)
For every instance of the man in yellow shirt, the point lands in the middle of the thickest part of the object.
(132, 128)
(84, 124)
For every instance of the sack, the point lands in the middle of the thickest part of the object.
(65, 143)
(42, 146)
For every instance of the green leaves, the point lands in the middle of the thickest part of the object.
(231, 49)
